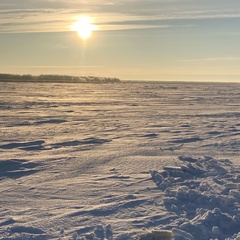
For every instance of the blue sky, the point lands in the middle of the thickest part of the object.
(139, 40)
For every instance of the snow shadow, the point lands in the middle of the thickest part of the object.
(17, 168)
(188, 140)
(25, 233)
(28, 146)
(50, 121)
(204, 195)
(40, 144)
(41, 122)
(87, 141)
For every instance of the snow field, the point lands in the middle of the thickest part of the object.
(119, 161)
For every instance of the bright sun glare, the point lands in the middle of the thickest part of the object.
(84, 27)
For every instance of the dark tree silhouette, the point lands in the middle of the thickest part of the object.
(55, 78)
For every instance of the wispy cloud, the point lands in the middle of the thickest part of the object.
(213, 59)
(59, 15)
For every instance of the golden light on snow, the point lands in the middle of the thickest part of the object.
(84, 27)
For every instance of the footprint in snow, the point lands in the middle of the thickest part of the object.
(99, 233)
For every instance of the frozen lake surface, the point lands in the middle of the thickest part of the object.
(104, 161)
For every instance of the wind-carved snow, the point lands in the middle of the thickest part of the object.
(204, 194)
(119, 161)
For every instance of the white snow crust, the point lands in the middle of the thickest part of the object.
(119, 161)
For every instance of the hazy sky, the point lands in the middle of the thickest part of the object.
(135, 39)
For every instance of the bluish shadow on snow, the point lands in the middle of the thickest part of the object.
(6, 222)
(50, 121)
(28, 146)
(40, 144)
(187, 140)
(150, 135)
(26, 233)
(18, 229)
(87, 141)
(16, 168)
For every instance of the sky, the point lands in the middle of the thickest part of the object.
(166, 40)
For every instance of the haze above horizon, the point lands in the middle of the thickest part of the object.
(177, 40)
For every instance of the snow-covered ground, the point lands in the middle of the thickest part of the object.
(117, 161)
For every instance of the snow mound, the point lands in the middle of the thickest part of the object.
(204, 194)
(156, 235)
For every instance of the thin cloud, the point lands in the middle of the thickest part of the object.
(59, 15)
(216, 59)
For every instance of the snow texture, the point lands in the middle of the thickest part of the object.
(204, 193)
(119, 161)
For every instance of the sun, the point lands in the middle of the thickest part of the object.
(84, 27)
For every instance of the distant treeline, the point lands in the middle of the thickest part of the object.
(55, 78)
